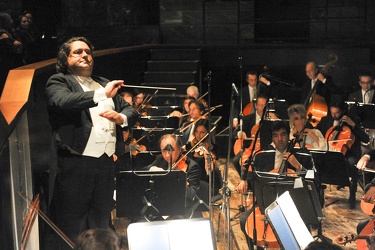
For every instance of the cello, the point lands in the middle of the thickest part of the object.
(318, 106)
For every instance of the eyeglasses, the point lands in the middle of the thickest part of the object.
(79, 52)
(370, 82)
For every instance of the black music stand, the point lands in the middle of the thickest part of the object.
(159, 121)
(151, 140)
(269, 186)
(149, 193)
(331, 167)
(366, 113)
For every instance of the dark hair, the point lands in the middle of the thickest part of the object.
(364, 74)
(6, 22)
(198, 103)
(98, 239)
(277, 125)
(251, 72)
(338, 102)
(261, 95)
(64, 51)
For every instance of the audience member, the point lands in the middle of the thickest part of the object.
(99, 239)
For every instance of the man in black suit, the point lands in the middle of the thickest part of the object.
(275, 156)
(86, 116)
(323, 86)
(366, 93)
(339, 118)
(249, 93)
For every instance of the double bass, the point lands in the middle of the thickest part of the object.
(318, 106)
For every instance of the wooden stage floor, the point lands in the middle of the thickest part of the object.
(338, 218)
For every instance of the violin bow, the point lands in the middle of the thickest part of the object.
(29, 222)
(192, 148)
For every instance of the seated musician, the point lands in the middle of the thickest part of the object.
(184, 115)
(339, 121)
(273, 160)
(250, 92)
(248, 123)
(200, 153)
(139, 97)
(196, 109)
(366, 93)
(171, 158)
(303, 130)
(193, 91)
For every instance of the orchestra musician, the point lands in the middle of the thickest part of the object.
(364, 95)
(171, 153)
(184, 115)
(201, 152)
(249, 93)
(300, 127)
(338, 120)
(196, 110)
(193, 91)
(324, 87)
(268, 161)
(138, 100)
(248, 123)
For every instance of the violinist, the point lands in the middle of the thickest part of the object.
(124, 161)
(127, 96)
(324, 85)
(338, 120)
(307, 135)
(193, 91)
(139, 97)
(196, 109)
(184, 115)
(171, 153)
(201, 153)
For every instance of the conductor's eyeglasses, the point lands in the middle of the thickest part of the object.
(79, 52)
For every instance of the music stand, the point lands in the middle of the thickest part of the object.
(159, 121)
(287, 224)
(151, 141)
(366, 113)
(269, 186)
(145, 193)
(331, 167)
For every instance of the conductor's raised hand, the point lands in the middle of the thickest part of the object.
(112, 87)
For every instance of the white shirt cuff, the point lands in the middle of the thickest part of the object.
(125, 123)
(99, 95)
(324, 81)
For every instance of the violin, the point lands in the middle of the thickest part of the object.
(137, 147)
(181, 164)
(247, 109)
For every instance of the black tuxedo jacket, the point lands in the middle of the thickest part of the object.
(325, 90)
(357, 96)
(68, 108)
